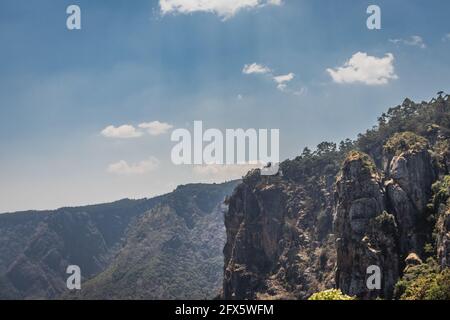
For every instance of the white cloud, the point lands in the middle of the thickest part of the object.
(223, 8)
(365, 69)
(143, 167)
(156, 128)
(446, 37)
(416, 41)
(283, 80)
(123, 132)
(255, 68)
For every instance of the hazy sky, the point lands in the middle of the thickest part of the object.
(308, 67)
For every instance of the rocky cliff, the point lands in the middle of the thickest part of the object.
(366, 232)
(279, 240)
(332, 214)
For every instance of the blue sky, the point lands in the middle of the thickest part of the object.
(130, 64)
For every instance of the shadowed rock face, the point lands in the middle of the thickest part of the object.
(253, 247)
(381, 217)
(366, 232)
(273, 250)
(409, 190)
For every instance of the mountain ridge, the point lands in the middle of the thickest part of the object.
(37, 246)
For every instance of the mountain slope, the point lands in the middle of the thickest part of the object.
(172, 252)
(37, 247)
(52, 240)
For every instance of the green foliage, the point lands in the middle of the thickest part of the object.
(441, 191)
(439, 204)
(405, 141)
(316, 171)
(386, 223)
(310, 166)
(408, 126)
(424, 282)
(429, 250)
(432, 286)
(385, 218)
(424, 119)
(440, 287)
(332, 294)
(366, 160)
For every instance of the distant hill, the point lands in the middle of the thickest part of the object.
(36, 247)
(174, 251)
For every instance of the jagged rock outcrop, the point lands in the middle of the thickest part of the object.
(410, 174)
(382, 216)
(254, 225)
(277, 225)
(273, 249)
(366, 232)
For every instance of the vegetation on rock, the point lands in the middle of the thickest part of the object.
(332, 294)
(424, 282)
(405, 141)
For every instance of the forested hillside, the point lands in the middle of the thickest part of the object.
(136, 242)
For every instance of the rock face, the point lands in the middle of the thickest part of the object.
(253, 250)
(366, 232)
(381, 216)
(279, 247)
(411, 174)
(273, 249)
